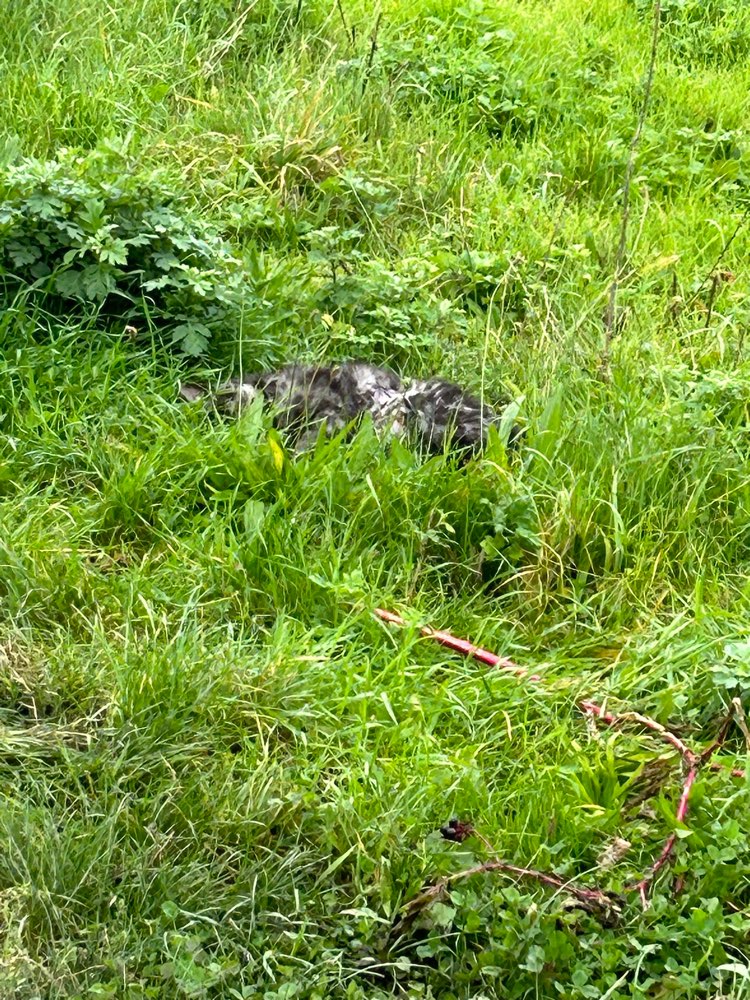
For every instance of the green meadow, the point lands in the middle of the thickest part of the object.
(221, 775)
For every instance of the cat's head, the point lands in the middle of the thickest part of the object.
(230, 398)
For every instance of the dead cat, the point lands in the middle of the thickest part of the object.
(304, 398)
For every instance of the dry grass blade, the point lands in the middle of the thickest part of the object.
(224, 44)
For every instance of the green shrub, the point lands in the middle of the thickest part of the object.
(95, 232)
(484, 81)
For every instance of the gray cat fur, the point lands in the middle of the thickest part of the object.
(305, 398)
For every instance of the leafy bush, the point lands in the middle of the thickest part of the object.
(482, 80)
(412, 305)
(705, 155)
(479, 280)
(95, 232)
(379, 309)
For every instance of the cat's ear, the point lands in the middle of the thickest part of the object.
(191, 392)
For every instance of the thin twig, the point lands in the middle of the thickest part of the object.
(597, 897)
(610, 316)
(462, 646)
(739, 715)
(720, 257)
(643, 886)
(711, 298)
(698, 761)
(591, 708)
(693, 761)
(371, 53)
(720, 740)
(689, 756)
(351, 32)
(605, 904)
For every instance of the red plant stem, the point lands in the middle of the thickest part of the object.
(735, 772)
(693, 761)
(669, 845)
(546, 878)
(690, 757)
(591, 708)
(462, 646)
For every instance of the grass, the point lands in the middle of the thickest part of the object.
(221, 776)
